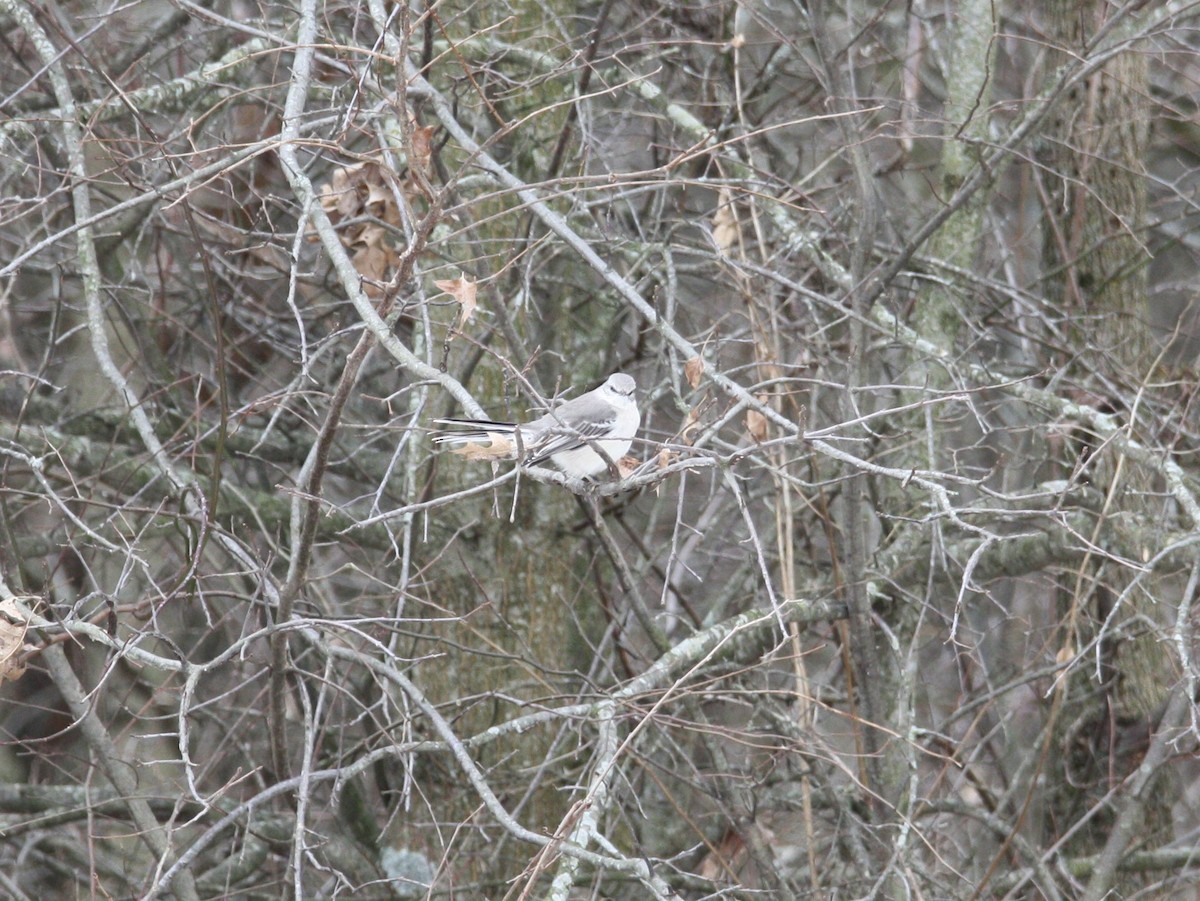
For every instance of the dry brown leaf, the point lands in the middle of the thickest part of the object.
(756, 425)
(359, 198)
(693, 369)
(12, 641)
(730, 851)
(666, 457)
(380, 202)
(732, 856)
(501, 448)
(422, 149)
(724, 223)
(463, 290)
(372, 260)
(628, 465)
(342, 196)
(691, 426)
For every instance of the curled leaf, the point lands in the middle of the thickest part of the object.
(693, 369)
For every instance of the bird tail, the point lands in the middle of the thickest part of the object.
(467, 431)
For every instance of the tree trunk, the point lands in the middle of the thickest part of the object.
(1096, 268)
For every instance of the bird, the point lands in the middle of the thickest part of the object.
(581, 436)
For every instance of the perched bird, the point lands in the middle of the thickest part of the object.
(581, 437)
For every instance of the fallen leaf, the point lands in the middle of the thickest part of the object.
(462, 289)
(628, 465)
(693, 369)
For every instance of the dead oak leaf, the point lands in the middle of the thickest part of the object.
(463, 290)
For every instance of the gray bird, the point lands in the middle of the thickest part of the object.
(605, 419)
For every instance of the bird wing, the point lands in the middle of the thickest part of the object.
(567, 427)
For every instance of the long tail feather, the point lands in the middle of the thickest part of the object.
(469, 430)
